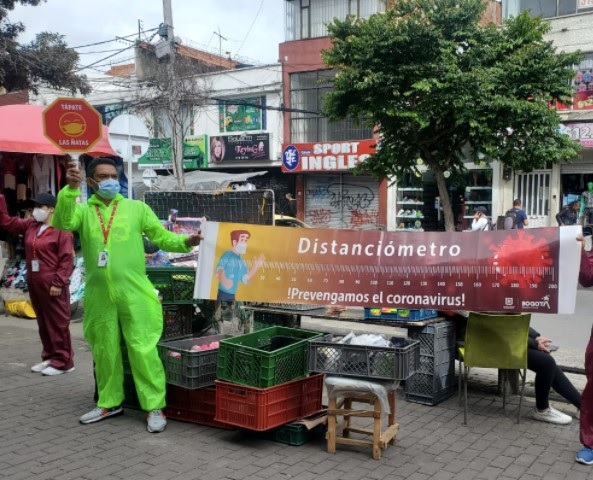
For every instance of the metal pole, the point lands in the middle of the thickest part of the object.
(176, 128)
(130, 156)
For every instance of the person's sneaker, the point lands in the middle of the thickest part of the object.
(585, 456)
(156, 421)
(551, 415)
(98, 414)
(51, 371)
(40, 366)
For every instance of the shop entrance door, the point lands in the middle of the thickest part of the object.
(533, 189)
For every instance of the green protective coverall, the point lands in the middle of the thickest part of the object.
(119, 297)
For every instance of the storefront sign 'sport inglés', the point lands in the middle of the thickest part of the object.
(325, 157)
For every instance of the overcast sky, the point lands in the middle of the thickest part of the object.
(252, 29)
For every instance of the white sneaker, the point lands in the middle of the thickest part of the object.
(156, 421)
(40, 366)
(551, 415)
(51, 371)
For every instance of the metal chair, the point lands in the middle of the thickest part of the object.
(494, 341)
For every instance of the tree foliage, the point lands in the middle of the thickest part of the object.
(47, 60)
(439, 86)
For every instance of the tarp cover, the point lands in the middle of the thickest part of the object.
(21, 130)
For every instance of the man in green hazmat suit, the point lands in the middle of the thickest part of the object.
(119, 298)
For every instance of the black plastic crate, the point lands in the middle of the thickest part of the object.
(440, 363)
(433, 398)
(382, 363)
(177, 321)
(429, 385)
(130, 395)
(434, 338)
(189, 368)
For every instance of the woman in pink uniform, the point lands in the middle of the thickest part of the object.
(49, 255)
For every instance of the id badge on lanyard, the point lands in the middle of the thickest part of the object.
(103, 255)
(34, 265)
(102, 259)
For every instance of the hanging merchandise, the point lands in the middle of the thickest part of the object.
(43, 173)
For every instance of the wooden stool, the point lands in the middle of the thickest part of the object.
(344, 408)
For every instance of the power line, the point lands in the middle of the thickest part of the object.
(105, 58)
(115, 39)
(251, 26)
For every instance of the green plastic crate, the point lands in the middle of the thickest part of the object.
(175, 284)
(265, 358)
(294, 434)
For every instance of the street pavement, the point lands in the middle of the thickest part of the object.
(41, 438)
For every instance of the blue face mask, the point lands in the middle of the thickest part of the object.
(108, 189)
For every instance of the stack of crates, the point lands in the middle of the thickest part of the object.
(190, 370)
(263, 379)
(176, 289)
(435, 379)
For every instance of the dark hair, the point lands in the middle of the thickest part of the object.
(236, 234)
(92, 166)
(517, 202)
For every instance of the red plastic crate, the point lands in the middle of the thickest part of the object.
(265, 408)
(193, 406)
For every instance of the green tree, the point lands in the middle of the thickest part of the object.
(441, 87)
(47, 60)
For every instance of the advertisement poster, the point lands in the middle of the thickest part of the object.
(160, 155)
(242, 115)
(530, 270)
(239, 148)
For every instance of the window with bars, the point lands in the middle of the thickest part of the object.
(307, 90)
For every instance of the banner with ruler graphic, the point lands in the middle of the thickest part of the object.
(530, 270)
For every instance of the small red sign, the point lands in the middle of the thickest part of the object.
(72, 125)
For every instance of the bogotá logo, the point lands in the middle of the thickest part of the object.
(544, 302)
(72, 124)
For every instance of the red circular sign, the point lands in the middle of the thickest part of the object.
(72, 125)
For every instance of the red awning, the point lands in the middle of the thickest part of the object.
(21, 130)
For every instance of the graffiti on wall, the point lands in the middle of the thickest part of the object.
(342, 205)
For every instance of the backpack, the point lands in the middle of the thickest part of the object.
(510, 219)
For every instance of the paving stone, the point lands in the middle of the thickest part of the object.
(432, 442)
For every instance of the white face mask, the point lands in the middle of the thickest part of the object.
(40, 215)
(241, 248)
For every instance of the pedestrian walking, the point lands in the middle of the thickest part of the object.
(515, 217)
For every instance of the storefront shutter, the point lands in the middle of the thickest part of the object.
(576, 167)
(342, 200)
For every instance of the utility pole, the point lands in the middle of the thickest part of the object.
(174, 108)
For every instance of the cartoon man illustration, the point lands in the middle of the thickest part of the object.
(232, 269)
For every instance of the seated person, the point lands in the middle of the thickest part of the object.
(548, 375)
(569, 215)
